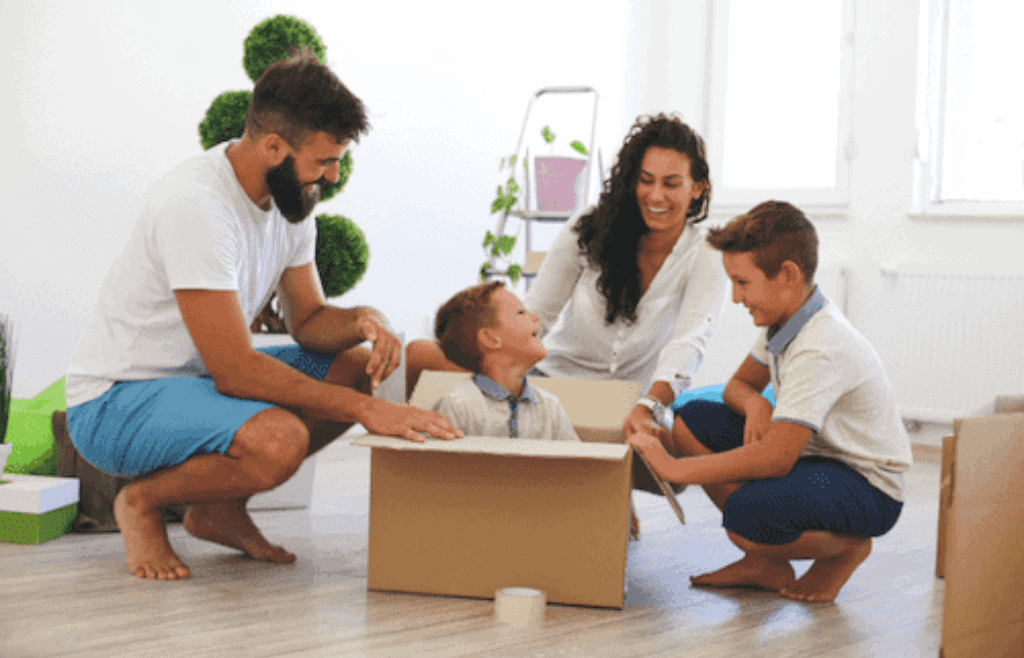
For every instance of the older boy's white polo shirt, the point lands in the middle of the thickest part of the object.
(827, 377)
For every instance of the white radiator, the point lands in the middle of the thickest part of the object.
(959, 341)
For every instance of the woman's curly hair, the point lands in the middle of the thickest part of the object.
(609, 235)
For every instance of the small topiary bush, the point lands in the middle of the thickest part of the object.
(225, 119)
(341, 253)
(270, 40)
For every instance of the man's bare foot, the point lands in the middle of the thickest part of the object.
(229, 524)
(750, 571)
(145, 540)
(826, 577)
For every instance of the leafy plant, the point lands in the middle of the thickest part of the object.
(341, 253)
(505, 199)
(271, 40)
(8, 348)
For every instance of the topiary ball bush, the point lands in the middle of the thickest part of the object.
(225, 119)
(344, 171)
(341, 253)
(269, 42)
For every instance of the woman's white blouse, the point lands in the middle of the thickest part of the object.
(676, 317)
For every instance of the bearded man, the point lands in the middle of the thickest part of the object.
(166, 386)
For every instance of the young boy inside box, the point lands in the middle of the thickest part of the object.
(486, 330)
(820, 474)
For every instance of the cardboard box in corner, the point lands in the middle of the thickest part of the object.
(468, 517)
(983, 611)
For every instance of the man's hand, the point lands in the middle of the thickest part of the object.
(386, 354)
(388, 419)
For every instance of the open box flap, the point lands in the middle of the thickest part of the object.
(501, 446)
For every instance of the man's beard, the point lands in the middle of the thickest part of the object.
(294, 200)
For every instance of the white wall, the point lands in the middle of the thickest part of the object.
(101, 98)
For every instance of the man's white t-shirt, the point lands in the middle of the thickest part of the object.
(198, 230)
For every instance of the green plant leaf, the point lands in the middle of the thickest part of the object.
(547, 134)
(488, 238)
(513, 273)
(483, 271)
(511, 161)
(498, 204)
(505, 243)
(342, 253)
(578, 146)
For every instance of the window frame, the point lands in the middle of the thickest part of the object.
(822, 202)
(932, 59)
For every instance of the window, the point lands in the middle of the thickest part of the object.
(779, 115)
(970, 111)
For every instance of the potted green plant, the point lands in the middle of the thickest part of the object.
(8, 348)
(556, 170)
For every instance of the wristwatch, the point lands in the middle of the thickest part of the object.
(661, 414)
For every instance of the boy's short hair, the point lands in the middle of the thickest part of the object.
(460, 318)
(775, 231)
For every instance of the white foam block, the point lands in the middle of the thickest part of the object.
(36, 494)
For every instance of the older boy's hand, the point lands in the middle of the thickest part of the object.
(386, 354)
(388, 419)
(755, 426)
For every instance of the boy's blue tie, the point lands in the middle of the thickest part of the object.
(513, 421)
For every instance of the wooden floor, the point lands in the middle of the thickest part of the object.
(74, 597)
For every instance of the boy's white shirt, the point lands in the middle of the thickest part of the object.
(198, 230)
(829, 378)
(477, 414)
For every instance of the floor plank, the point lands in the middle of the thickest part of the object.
(74, 597)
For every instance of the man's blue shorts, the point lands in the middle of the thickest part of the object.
(141, 426)
(818, 494)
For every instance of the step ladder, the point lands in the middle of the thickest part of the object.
(527, 212)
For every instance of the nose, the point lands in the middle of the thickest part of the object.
(737, 294)
(333, 172)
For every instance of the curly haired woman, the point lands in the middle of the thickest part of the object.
(630, 289)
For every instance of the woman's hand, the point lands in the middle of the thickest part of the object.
(639, 419)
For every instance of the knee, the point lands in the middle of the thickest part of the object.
(274, 443)
(349, 369)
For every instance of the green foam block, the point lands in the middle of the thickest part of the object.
(20, 528)
(30, 431)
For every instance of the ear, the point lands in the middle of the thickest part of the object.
(794, 275)
(274, 148)
(488, 339)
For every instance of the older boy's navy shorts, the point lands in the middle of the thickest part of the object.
(141, 426)
(819, 493)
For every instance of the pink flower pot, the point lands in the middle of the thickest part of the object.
(559, 183)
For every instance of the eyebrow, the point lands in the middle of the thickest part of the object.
(645, 172)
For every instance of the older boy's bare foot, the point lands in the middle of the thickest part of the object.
(826, 577)
(750, 571)
(229, 524)
(146, 546)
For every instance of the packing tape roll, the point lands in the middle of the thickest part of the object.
(519, 606)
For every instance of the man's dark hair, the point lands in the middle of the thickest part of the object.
(299, 96)
(460, 319)
(775, 231)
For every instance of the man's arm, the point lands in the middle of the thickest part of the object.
(320, 327)
(217, 326)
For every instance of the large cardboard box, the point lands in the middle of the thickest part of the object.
(983, 611)
(471, 516)
(36, 508)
